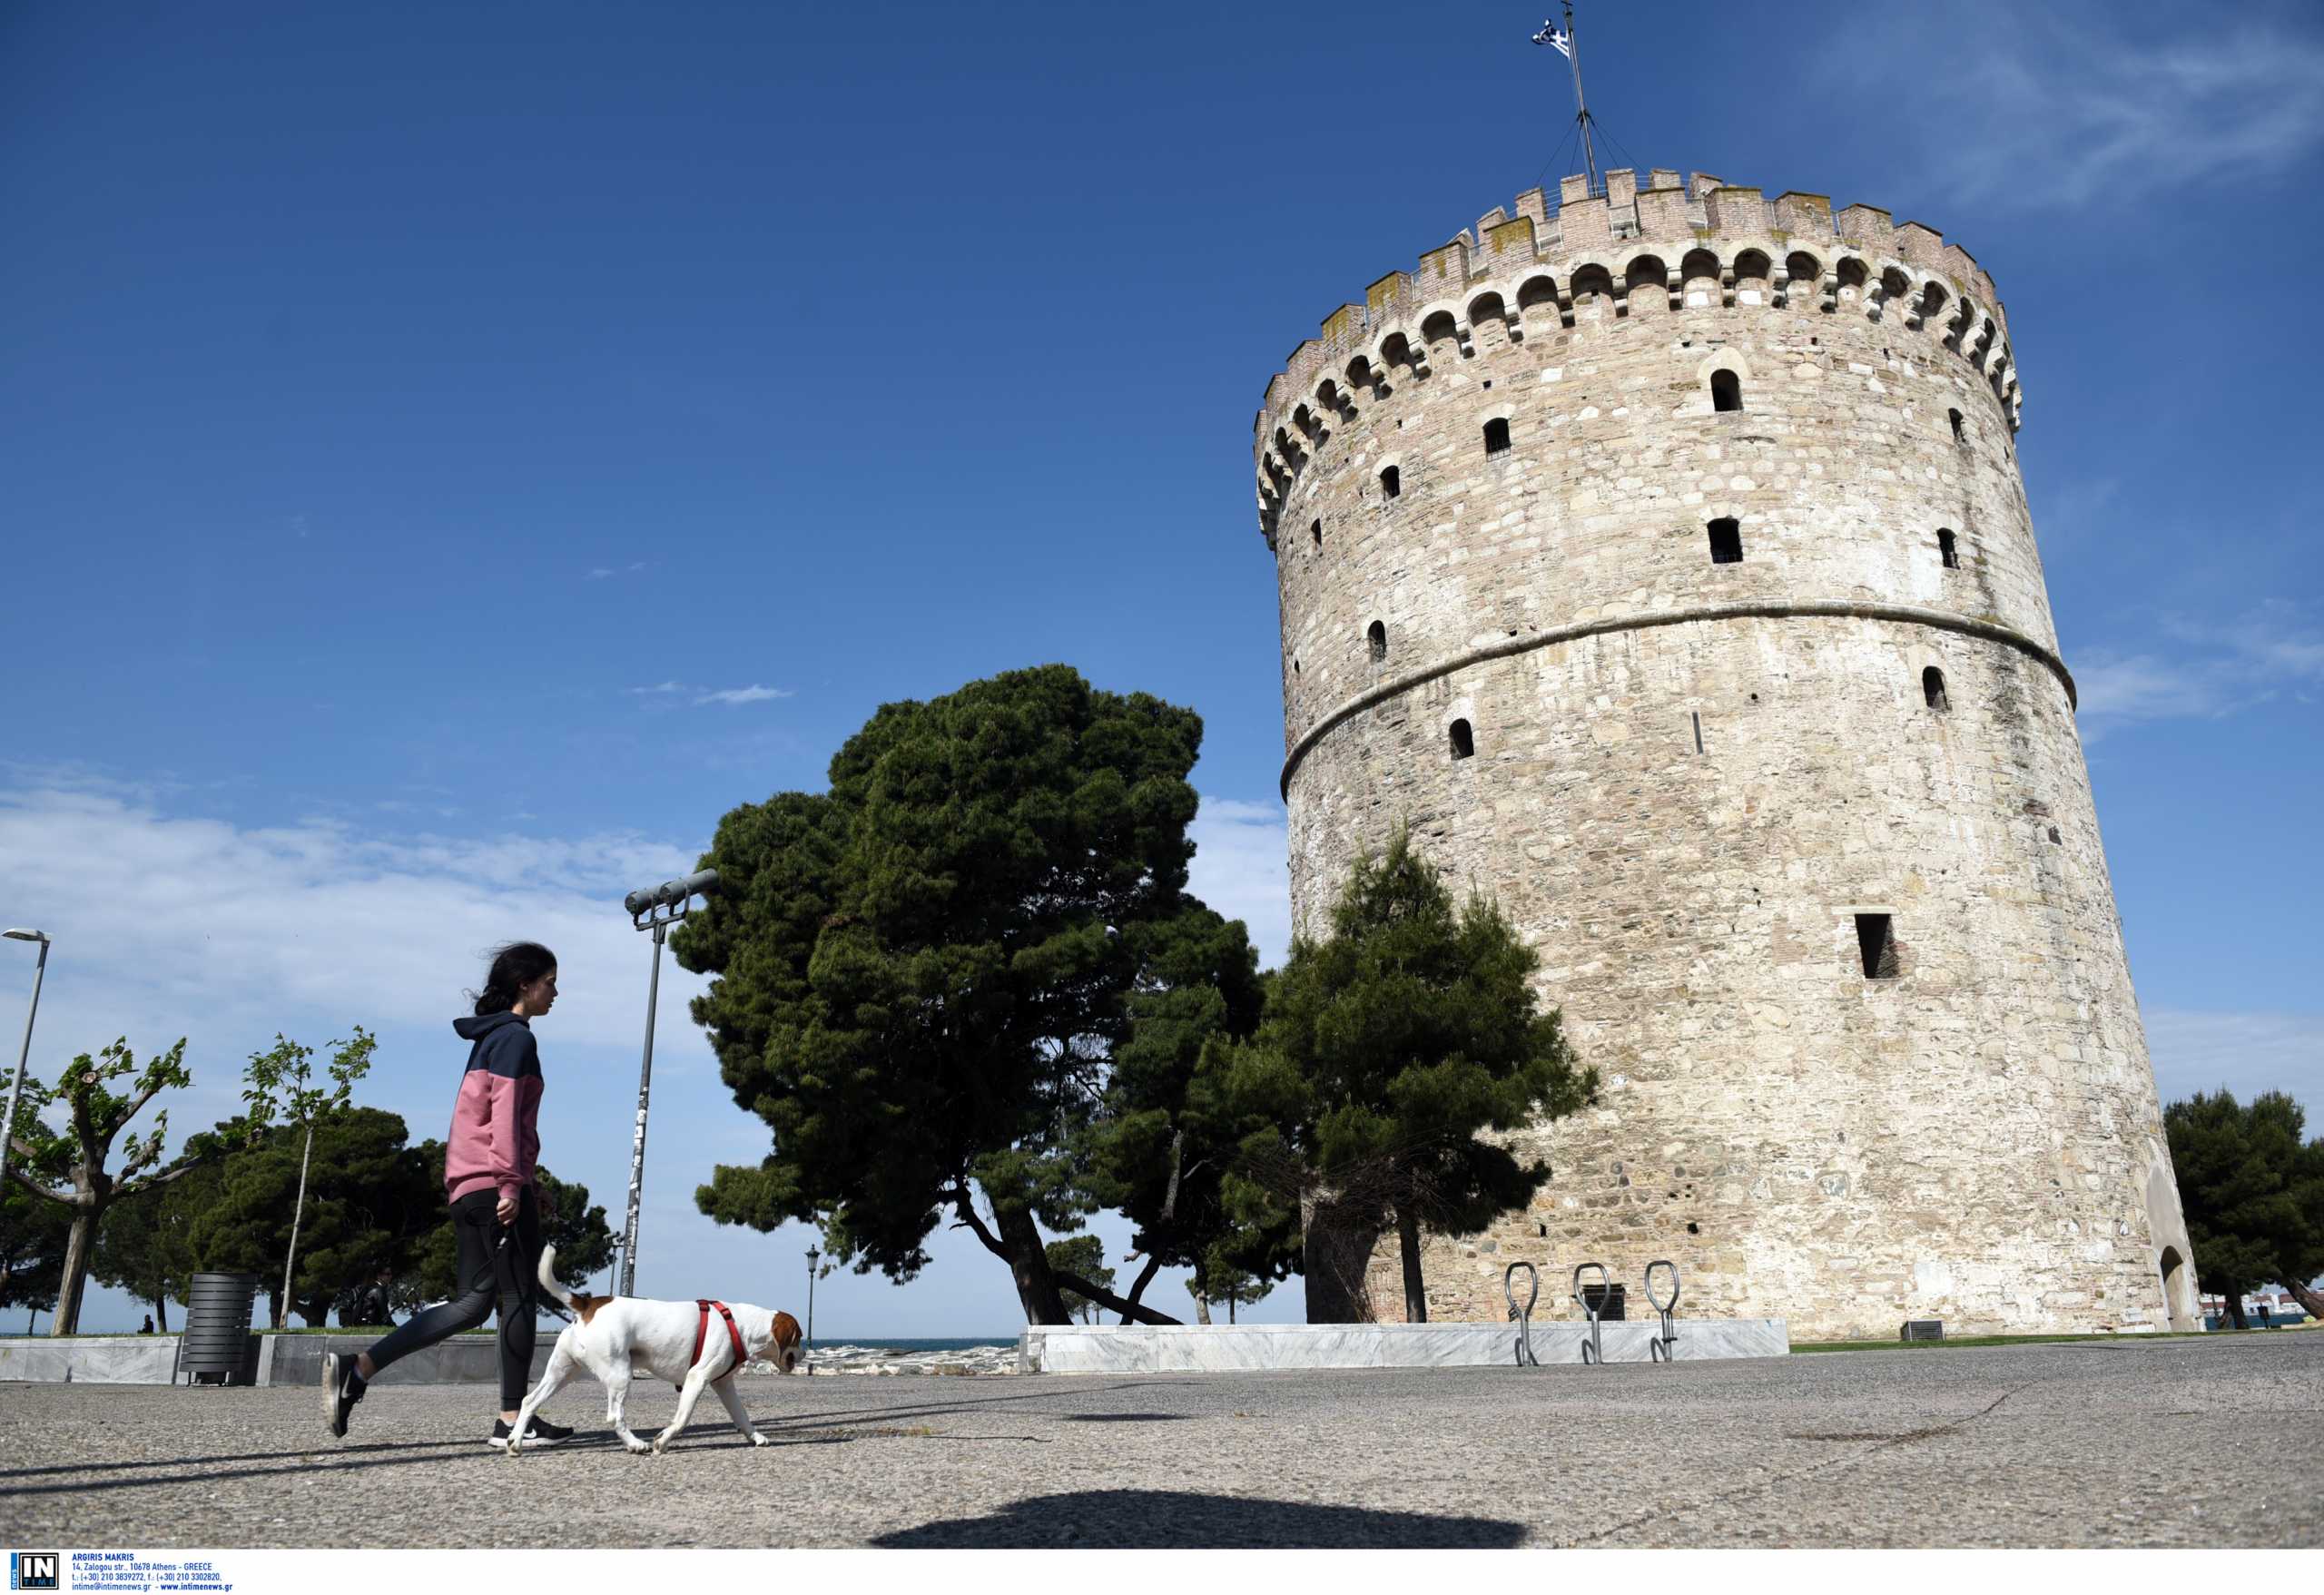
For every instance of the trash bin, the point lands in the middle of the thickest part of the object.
(216, 1345)
(1610, 1300)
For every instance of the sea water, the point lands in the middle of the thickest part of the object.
(964, 1355)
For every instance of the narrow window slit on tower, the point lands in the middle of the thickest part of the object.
(1699, 730)
(1879, 945)
(1958, 435)
(1463, 742)
(1391, 481)
(1725, 390)
(1497, 437)
(1376, 636)
(1316, 532)
(1946, 549)
(1725, 542)
(1933, 689)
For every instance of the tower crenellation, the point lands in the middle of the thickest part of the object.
(1795, 249)
(1659, 558)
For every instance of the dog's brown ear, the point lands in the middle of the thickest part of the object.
(786, 1330)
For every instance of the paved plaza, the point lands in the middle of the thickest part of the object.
(2161, 1443)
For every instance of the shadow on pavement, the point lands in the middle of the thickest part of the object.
(1124, 1417)
(1158, 1520)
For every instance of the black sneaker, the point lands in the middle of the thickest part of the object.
(342, 1388)
(539, 1431)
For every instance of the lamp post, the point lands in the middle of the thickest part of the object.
(654, 908)
(812, 1257)
(24, 1058)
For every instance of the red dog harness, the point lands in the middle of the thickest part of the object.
(701, 1332)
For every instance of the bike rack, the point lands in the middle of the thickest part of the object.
(1592, 1352)
(1658, 1348)
(1524, 1315)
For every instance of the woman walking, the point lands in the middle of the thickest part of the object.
(488, 1162)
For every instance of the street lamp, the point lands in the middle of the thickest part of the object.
(808, 1360)
(24, 1058)
(654, 908)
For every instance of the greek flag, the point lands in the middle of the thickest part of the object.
(1555, 40)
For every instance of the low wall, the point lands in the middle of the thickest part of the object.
(127, 1359)
(1217, 1348)
(276, 1359)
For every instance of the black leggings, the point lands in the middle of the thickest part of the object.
(492, 1274)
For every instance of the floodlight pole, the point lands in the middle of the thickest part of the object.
(654, 908)
(23, 1057)
(637, 1137)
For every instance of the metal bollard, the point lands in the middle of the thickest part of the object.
(1592, 1352)
(1658, 1348)
(1524, 1315)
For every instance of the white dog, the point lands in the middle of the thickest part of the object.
(690, 1344)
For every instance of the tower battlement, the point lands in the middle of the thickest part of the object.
(1696, 244)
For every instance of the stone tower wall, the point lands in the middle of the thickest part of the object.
(1690, 777)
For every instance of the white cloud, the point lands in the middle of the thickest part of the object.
(658, 687)
(745, 694)
(598, 573)
(1242, 868)
(2071, 105)
(2248, 1053)
(2212, 668)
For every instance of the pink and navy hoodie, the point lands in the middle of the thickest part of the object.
(494, 1144)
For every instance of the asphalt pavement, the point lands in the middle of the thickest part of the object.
(2124, 1442)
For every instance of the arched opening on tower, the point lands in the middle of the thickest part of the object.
(1464, 742)
(1315, 530)
(1726, 541)
(1497, 436)
(1933, 689)
(1392, 482)
(1725, 390)
(1375, 638)
(1946, 549)
(2174, 1285)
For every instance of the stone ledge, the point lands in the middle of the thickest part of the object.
(1220, 1348)
(280, 1359)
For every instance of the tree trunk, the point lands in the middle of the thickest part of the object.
(1145, 1277)
(161, 1314)
(297, 1211)
(1202, 1309)
(1028, 1262)
(2312, 1302)
(2235, 1306)
(1335, 1245)
(1415, 1294)
(77, 1245)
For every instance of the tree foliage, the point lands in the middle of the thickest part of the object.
(1083, 1256)
(67, 1167)
(1385, 1049)
(920, 979)
(1160, 1150)
(281, 1081)
(2252, 1190)
(370, 1199)
(33, 1235)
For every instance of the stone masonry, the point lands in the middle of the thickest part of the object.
(1506, 497)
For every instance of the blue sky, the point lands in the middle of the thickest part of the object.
(455, 454)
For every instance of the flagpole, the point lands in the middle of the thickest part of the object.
(1581, 114)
